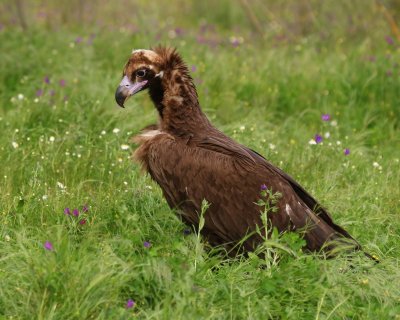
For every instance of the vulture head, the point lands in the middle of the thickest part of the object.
(142, 71)
(166, 76)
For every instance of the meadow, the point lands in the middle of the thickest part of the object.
(84, 234)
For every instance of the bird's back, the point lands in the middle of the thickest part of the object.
(213, 167)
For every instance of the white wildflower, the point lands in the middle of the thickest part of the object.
(45, 197)
(327, 135)
(338, 143)
(36, 100)
(334, 123)
(15, 144)
(60, 185)
(242, 128)
(7, 238)
(52, 139)
(149, 187)
(377, 165)
(116, 130)
(20, 96)
(271, 146)
(124, 147)
(103, 132)
(312, 141)
(172, 34)
(125, 183)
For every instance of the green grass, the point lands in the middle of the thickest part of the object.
(266, 96)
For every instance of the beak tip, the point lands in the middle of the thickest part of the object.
(120, 97)
(121, 104)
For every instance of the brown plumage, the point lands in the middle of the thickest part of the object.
(191, 160)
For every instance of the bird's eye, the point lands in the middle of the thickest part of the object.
(140, 73)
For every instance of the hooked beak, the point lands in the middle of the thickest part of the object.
(126, 89)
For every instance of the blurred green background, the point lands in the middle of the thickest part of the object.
(263, 22)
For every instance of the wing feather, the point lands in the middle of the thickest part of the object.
(229, 175)
(303, 195)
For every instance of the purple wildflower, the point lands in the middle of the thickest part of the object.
(78, 40)
(389, 73)
(130, 304)
(146, 244)
(235, 42)
(201, 40)
(67, 211)
(318, 138)
(264, 187)
(85, 208)
(193, 68)
(326, 117)
(346, 152)
(39, 93)
(52, 92)
(62, 83)
(48, 246)
(75, 212)
(179, 31)
(389, 40)
(41, 14)
(46, 79)
(83, 221)
(372, 58)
